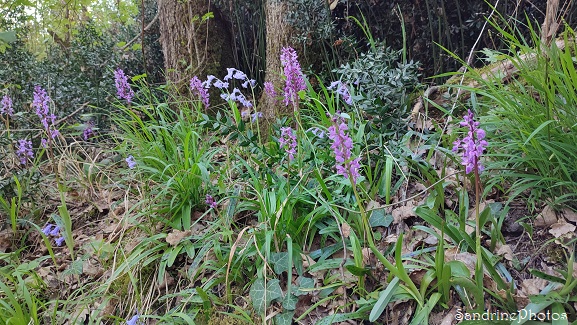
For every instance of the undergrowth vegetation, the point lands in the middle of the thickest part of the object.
(196, 211)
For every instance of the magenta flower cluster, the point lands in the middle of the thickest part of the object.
(340, 88)
(123, 89)
(472, 146)
(41, 103)
(288, 141)
(342, 146)
(24, 151)
(6, 106)
(270, 91)
(197, 88)
(209, 200)
(54, 231)
(88, 131)
(295, 81)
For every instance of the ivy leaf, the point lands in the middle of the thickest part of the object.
(261, 297)
(284, 318)
(290, 302)
(280, 262)
(379, 219)
(302, 283)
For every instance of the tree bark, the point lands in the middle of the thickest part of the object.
(192, 46)
(278, 35)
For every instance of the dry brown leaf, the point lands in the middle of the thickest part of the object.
(176, 236)
(570, 215)
(92, 269)
(533, 286)
(366, 256)
(346, 230)
(561, 228)
(5, 240)
(403, 212)
(450, 318)
(307, 260)
(470, 260)
(431, 240)
(546, 218)
(505, 251)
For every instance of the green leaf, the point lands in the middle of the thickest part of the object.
(384, 299)
(261, 297)
(303, 285)
(8, 36)
(379, 219)
(290, 302)
(325, 265)
(280, 262)
(284, 318)
(336, 318)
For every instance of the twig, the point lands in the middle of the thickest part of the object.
(138, 36)
(72, 114)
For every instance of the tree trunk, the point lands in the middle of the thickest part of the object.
(278, 35)
(550, 25)
(192, 45)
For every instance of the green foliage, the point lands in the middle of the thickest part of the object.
(383, 85)
(532, 121)
(170, 153)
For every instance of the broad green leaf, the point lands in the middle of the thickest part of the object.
(280, 262)
(290, 302)
(284, 318)
(379, 219)
(261, 297)
(303, 283)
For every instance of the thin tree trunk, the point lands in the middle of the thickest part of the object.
(278, 35)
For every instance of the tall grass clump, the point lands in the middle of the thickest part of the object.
(531, 115)
(163, 146)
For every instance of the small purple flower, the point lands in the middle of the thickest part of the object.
(244, 114)
(235, 73)
(270, 91)
(59, 241)
(342, 147)
(340, 88)
(6, 106)
(41, 103)
(210, 201)
(88, 132)
(24, 150)
(288, 140)
(473, 145)
(220, 84)
(209, 79)
(317, 132)
(256, 116)
(55, 231)
(198, 89)
(124, 91)
(237, 95)
(134, 320)
(131, 162)
(294, 77)
(249, 82)
(47, 229)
